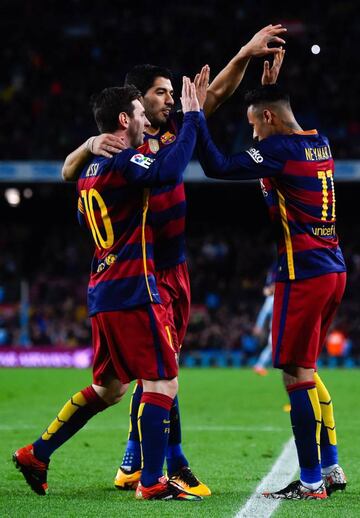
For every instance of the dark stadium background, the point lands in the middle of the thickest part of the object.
(55, 55)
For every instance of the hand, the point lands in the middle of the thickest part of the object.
(201, 82)
(270, 75)
(189, 101)
(258, 45)
(107, 144)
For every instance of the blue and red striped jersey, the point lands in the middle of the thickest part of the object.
(114, 203)
(296, 175)
(167, 204)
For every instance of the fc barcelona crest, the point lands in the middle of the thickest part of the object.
(167, 138)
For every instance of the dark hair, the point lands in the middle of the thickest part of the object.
(143, 76)
(107, 105)
(266, 94)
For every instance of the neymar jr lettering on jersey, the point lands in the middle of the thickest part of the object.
(296, 174)
(114, 204)
(167, 204)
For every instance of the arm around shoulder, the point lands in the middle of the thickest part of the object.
(76, 160)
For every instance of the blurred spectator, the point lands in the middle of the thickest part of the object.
(56, 54)
(227, 281)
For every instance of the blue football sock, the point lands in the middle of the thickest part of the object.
(154, 429)
(175, 458)
(81, 407)
(306, 422)
(132, 456)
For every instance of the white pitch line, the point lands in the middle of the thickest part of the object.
(281, 474)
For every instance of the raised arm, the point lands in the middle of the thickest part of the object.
(270, 74)
(246, 165)
(170, 162)
(105, 145)
(227, 81)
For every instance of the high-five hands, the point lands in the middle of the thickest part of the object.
(189, 100)
(270, 74)
(201, 83)
(258, 45)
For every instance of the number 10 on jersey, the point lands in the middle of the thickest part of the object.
(88, 198)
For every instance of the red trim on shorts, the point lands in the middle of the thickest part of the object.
(94, 400)
(304, 385)
(154, 398)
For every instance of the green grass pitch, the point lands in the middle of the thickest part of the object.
(234, 428)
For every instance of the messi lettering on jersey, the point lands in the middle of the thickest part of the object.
(296, 174)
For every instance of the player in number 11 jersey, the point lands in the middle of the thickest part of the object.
(296, 173)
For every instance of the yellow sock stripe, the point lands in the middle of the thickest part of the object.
(131, 410)
(287, 235)
(77, 401)
(314, 399)
(327, 410)
(141, 409)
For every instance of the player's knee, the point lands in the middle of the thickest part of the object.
(171, 387)
(294, 374)
(167, 387)
(113, 392)
(118, 393)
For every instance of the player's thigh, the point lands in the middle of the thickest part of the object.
(174, 289)
(142, 342)
(103, 369)
(183, 302)
(338, 283)
(298, 306)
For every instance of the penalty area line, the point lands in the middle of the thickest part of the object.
(281, 474)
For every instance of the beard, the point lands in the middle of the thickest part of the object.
(157, 119)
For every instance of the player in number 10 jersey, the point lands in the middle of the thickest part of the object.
(167, 207)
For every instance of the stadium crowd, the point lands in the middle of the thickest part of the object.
(227, 271)
(43, 88)
(43, 84)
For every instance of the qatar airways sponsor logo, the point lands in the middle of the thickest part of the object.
(255, 155)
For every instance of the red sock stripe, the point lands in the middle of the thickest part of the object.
(154, 398)
(93, 399)
(139, 382)
(305, 385)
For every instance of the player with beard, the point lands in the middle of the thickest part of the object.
(167, 209)
(130, 333)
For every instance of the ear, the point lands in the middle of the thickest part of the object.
(123, 120)
(268, 116)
